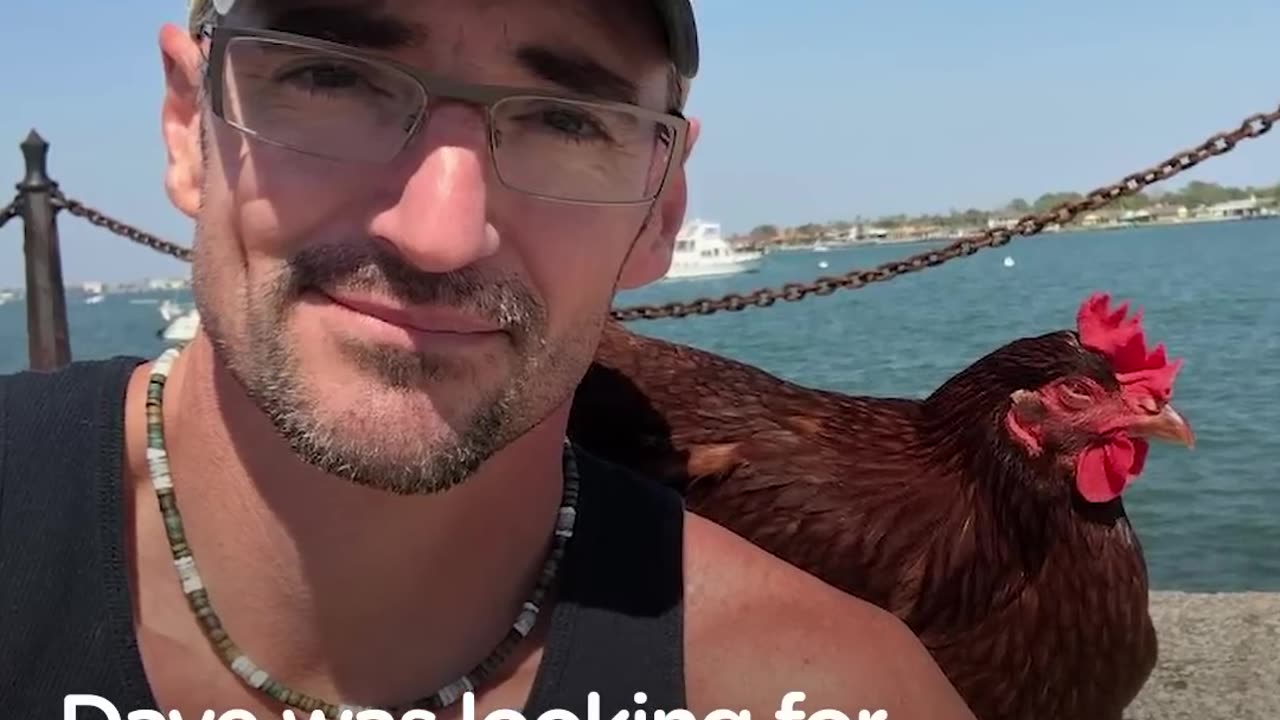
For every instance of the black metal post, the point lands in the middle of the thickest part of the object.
(48, 340)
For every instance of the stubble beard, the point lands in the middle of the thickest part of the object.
(262, 360)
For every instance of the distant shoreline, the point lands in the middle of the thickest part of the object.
(809, 244)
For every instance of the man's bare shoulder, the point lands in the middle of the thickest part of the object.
(758, 628)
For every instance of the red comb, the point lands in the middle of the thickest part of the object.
(1121, 340)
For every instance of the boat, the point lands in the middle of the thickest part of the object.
(180, 325)
(702, 251)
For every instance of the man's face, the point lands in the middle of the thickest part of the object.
(401, 321)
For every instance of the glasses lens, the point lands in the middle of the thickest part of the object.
(347, 108)
(580, 150)
(318, 101)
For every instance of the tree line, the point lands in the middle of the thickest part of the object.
(1193, 195)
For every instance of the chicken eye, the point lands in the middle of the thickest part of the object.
(1075, 397)
(1149, 404)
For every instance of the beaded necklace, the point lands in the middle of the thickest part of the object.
(257, 678)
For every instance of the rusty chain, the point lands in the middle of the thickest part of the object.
(11, 211)
(95, 217)
(1252, 127)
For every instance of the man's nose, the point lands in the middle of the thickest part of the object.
(437, 220)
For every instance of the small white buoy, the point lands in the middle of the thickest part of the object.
(822, 264)
(1008, 261)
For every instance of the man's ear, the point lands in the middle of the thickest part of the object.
(180, 118)
(650, 256)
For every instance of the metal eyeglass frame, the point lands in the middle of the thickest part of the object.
(433, 87)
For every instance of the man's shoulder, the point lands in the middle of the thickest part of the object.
(758, 628)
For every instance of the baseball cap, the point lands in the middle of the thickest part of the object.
(676, 16)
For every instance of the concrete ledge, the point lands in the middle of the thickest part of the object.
(1219, 658)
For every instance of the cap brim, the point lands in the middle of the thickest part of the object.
(676, 15)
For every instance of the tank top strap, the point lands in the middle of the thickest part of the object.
(617, 628)
(66, 624)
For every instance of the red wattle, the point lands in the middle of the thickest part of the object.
(1102, 472)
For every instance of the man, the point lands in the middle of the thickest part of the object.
(352, 488)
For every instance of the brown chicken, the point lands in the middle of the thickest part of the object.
(987, 516)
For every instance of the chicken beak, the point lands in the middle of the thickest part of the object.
(1167, 425)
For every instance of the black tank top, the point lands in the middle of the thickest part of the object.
(65, 611)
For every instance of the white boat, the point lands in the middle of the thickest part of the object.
(702, 251)
(180, 325)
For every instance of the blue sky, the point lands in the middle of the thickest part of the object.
(814, 110)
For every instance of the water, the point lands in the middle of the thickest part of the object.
(1209, 518)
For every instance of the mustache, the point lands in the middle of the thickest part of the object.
(334, 268)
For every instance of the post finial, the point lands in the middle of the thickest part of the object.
(35, 150)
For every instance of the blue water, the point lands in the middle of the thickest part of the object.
(1209, 518)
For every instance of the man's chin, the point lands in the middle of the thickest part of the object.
(422, 398)
(406, 441)
(382, 415)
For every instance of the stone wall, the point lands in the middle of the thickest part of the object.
(1219, 658)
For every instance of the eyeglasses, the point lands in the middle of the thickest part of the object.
(329, 100)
